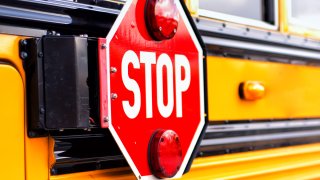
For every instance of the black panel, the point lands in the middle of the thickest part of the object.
(32, 62)
(65, 86)
(93, 82)
(80, 150)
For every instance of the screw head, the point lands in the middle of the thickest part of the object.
(40, 54)
(23, 55)
(105, 119)
(114, 96)
(24, 42)
(113, 70)
(42, 110)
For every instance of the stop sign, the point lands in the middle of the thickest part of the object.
(154, 88)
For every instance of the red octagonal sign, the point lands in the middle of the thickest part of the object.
(153, 100)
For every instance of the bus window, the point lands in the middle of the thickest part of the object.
(304, 13)
(260, 13)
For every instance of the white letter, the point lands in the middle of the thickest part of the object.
(164, 60)
(130, 84)
(181, 85)
(148, 58)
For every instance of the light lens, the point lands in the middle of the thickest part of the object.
(165, 153)
(162, 18)
(251, 90)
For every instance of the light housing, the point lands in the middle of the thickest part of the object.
(165, 153)
(162, 18)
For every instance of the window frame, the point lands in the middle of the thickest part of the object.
(243, 20)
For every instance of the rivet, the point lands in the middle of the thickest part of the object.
(40, 54)
(42, 110)
(105, 119)
(113, 70)
(114, 96)
(24, 42)
(23, 55)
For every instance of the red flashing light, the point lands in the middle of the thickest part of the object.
(162, 18)
(165, 153)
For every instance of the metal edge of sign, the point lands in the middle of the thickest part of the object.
(203, 122)
(109, 37)
(204, 85)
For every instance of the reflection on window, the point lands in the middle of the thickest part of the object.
(252, 9)
(306, 12)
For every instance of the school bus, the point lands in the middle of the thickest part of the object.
(261, 97)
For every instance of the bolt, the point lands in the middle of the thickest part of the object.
(114, 96)
(23, 55)
(113, 70)
(105, 119)
(32, 134)
(53, 171)
(84, 35)
(175, 30)
(42, 110)
(40, 54)
(51, 33)
(103, 46)
(23, 42)
(160, 28)
(61, 130)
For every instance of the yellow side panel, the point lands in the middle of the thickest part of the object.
(110, 174)
(37, 158)
(36, 149)
(9, 51)
(292, 91)
(12, 123)
(300, 162)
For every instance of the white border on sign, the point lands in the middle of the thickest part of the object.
(202, 120)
